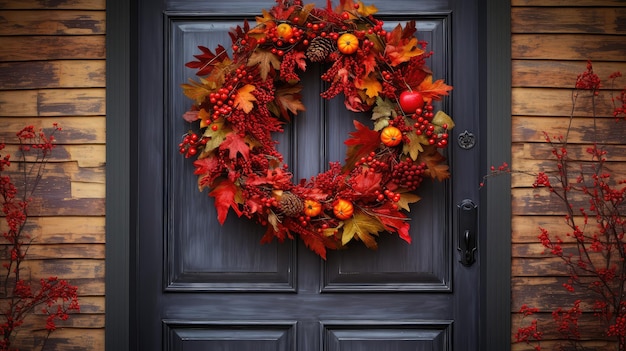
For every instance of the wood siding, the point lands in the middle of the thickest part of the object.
(52, 69)
(551, 41)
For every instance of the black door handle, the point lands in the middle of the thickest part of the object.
(467, 231)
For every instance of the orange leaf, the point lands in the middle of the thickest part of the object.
(371, 86)
(243, 100)
(366, 10)
(434, 164)
(430, 90)
(403, 52)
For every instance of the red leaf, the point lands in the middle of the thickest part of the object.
(393, 220)
(207, 60)
(361, 143)
(235, 144)
(224, 194)
(366, 182)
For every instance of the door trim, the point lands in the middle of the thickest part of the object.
(121, 174)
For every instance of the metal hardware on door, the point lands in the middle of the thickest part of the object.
(466, 140)
(467, 231)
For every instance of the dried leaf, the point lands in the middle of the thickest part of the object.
(434, 164)
(382, 113)
(442, 118)
(406, 199)
(370, 85)
(266, 61)
(197, 91)
(402, 52)
(414, 146)
(288, 99)
(363, 226)
(244, 99)
(430, 90)
(366, 10)
(393, 220)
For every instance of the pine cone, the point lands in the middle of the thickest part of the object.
(291, 205)
(320, 48)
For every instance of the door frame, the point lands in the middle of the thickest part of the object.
(121, 174)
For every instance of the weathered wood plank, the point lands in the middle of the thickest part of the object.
(531, 201)
(86, 155)
(52, 22)
(77, 339)
(568, 47)
(67, 269)
(538, 267)
(558, 102)
(38, 48)
(575, 152)
(560, 74)
(546, 294)
(53, 102)
(38, 251)
(595, 345)
(67, 207)
(75, 130)
(64, 230)
(525, 229)
(72, 102)
(589, 326)
(582, 129)
(18, 103)
(52, 74)
(53, 4)
(526, 169)
(598, 20)
(566, 3)
(89, 286)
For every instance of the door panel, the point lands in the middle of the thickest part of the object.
(203, 286)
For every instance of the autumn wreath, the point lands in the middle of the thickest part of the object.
(241, 100)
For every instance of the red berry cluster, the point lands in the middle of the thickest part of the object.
(191, 144)
(407, 174)
(423, 126)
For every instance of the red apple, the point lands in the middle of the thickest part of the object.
(411, 101)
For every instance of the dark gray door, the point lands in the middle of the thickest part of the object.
(202, 286)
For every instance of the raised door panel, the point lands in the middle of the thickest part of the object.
(203, 255)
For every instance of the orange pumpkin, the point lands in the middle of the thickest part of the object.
(391, 136)
(284, 31)
(348, 43)
(312, 208)
(343, 209)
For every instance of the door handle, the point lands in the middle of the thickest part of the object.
(467, 231)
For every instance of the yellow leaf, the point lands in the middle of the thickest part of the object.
(197, 91)
(406, 199)
(413, 147)
(265, 19)
(366, 10)
(216, 137)
(266, 61)
(363, 226)
(243, 100)
(371, 86)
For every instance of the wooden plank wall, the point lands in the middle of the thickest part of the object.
(52, 69)
(551, 41)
